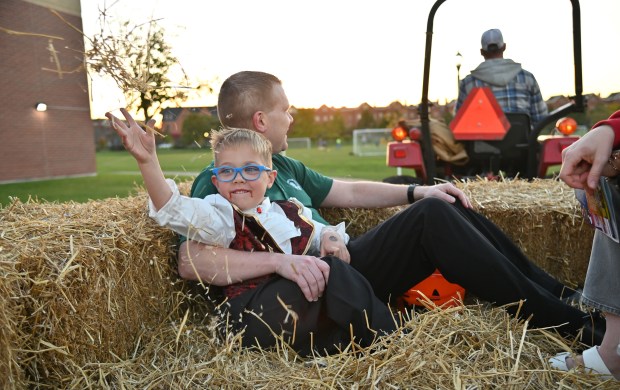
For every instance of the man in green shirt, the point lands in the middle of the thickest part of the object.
(439, 231)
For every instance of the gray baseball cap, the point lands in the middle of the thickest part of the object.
(492, 37)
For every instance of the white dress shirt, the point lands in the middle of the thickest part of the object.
(210, 220)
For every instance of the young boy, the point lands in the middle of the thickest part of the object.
(240, 217)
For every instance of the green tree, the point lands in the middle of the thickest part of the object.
(196, 129)
(367, 120)
(600, 112)
(335, 127)
(304, 125)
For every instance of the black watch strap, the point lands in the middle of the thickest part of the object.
(410, 190)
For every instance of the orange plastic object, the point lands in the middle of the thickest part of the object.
(437, 289)
(406, 155)
(480, 118)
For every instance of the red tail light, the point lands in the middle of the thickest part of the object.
(399, 133)
(415, 134)
(400, 153)
(566, 126)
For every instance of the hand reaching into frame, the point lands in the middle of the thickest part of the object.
(585, 161)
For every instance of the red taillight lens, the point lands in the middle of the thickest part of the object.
(400, 153)
(415, 134)
(566, 126)
(399, 133)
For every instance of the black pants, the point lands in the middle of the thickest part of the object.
(467, 248)
(348, 307)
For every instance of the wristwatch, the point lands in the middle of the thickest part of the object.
(410, 190)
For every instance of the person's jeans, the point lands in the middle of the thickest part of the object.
(602, 286)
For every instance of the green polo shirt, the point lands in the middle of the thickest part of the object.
(294, 180)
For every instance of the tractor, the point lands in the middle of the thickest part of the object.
(493, 142)
(488, 143)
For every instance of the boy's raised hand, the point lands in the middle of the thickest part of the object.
(137, 141)
(141, 145)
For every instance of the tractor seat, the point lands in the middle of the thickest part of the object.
(516, 138)
(510, 153)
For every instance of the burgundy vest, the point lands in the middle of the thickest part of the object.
(251, 236)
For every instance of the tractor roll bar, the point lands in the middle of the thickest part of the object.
(577, 104)
(427, 150)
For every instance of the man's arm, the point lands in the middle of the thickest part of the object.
(538, 106)
(464, 87)
(370, 194)
(224, 266)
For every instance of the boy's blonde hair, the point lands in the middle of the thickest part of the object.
(226, 138)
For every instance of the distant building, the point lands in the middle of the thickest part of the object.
(105, 135)
(41, 63)
(173, 118)
(613, 98)
(352, 116)
(555, 102)
(592, 100)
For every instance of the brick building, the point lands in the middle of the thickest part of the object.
(352, 116)
(173, 118)
(42, 63)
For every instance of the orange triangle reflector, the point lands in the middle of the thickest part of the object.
(480, 117)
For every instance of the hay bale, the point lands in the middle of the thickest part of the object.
(466, 347)
(89, 280)
(543, 218)
(11, 374)
(90, 298)
(359, 220)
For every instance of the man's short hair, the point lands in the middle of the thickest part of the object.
(492, 40)
(243, 94)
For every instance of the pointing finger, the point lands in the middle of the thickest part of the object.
(129, 118)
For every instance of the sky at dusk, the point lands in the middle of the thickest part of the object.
(347, 52)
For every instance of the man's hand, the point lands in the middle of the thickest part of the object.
(140, 143)
(309, 272)
(585, 161)
(445, 191)
(333, 245)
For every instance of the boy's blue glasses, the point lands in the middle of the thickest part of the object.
(248, 172)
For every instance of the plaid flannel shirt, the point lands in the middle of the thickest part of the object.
(520, 95)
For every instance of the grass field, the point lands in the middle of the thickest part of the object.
(117, 173)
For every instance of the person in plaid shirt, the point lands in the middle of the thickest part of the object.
(515, 89)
